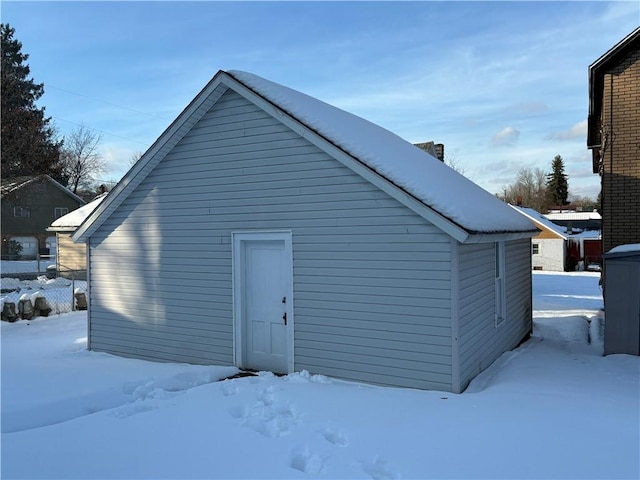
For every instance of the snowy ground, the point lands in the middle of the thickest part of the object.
(553, 408)
(26, 266)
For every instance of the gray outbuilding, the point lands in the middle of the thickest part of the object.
(269, 230)
(622, 300)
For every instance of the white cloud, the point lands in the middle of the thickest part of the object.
(579, 130)
(506, 137)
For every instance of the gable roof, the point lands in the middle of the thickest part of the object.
(72, 220)
(11, 185)
(544, 222)
(541, 221)
(418, 180)
(597, 71)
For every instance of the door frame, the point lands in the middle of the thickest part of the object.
(238, 241)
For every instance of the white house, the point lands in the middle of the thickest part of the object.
(269, 230)
(557, 249)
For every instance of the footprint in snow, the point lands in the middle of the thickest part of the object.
(268, 416)
(229, 387)
(305, 461)
(335, 437)
(380, 469)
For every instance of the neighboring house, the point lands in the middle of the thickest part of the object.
(29, 205)
(613, 135)
(72, 256)
(268, 230)
(556, 249)
(573, 220)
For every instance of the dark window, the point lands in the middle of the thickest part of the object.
(21, 212)
(535, 248)
(60, 211)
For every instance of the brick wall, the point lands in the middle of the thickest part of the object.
(621, 161)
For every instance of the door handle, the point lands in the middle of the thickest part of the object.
(284, 317)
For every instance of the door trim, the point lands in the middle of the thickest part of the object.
(238, 240)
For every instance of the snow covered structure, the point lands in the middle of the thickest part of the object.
(556, 249)
(622, 300)
(269, 230)
(72, 256)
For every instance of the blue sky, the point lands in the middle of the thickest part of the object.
(502, 84)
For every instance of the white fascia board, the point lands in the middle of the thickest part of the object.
(160, 148)
(350, 162)
(499, 237)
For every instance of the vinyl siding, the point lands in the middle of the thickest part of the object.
(70, 256)
(371, 278)
(551, 254)
(481, 341)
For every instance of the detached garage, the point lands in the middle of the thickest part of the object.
(269, 230)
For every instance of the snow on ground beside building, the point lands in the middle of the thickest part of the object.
(554, 407)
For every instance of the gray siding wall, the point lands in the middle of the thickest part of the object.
(371, 278)
(481, 341)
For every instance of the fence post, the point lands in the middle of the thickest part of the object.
(73, 290)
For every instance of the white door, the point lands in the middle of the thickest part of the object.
(262, 268)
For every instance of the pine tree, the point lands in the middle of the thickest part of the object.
(557, 185)
(28, 146)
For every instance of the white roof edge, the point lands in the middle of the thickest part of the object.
(495, 237)
(60, 229)
(538, 222)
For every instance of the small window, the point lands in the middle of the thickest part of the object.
(21, 212)
(535, 248)
(60, 211)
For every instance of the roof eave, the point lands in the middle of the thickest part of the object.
(492, 237)
(596, 83)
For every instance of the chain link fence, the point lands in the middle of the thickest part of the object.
(40, 290)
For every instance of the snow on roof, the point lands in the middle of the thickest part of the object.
(541, 219)
(73, 219)
(554, 227)
(586, 234)
(574, 215)
(421, 175)
(10, 185)
(630, 247)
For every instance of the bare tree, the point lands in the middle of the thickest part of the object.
(134, 158)
(528, 190)
(81, 157)
(455, 164)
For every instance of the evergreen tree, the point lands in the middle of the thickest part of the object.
(557, 185)
(28, 146)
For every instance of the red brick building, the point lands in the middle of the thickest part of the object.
(614, 139)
